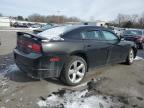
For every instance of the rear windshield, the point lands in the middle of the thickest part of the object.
(54, 33)
(133, 32)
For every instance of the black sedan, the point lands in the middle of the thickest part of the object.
(68, 52)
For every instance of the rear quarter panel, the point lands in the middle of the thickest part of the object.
(64, 48)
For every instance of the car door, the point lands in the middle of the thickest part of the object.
(96, 50)
(118, 49)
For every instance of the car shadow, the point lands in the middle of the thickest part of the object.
(13, 73)
(19, 76)
(141, 53)
(55, 81)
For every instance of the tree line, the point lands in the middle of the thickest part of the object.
(122, 20)
(48, 19)
(129, 21)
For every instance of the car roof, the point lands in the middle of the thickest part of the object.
(56, 32)
(74, 27)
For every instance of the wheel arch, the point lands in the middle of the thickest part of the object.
(135, 51)
(81, 54)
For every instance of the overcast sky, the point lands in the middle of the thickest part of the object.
(83, 9)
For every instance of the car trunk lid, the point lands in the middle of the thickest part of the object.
(28, 43)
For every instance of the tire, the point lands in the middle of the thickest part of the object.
(74, 71)
(130, 57)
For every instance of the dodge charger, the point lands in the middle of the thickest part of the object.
(69, 52)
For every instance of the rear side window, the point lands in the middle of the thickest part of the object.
(94, 34)
(76, 35)
(109, 36)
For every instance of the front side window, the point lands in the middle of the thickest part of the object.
(91, 35)
(109, 36)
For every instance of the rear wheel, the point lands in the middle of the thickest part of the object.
(74, 70)
(130, 57)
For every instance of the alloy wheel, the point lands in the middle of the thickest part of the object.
(131, 55)
(76, 71)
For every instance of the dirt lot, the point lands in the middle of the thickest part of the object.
(8, 41)
(19, 91)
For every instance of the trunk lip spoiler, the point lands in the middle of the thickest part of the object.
(31, 35)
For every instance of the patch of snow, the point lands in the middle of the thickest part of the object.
(42, 103)
(77, 99)
(3, 83)
(4, 80)
(13, 68)
(138, 58)
(53, 33)
(53, 100)
(85, 84)
(90, 102)
(10, 68)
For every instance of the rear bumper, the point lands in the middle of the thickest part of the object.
(36, 65)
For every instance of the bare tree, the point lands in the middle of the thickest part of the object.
(120, 19)
(132, 21)
(141, 21)
(134, 18)
(37, 18)
(20, 18)
(52, 18)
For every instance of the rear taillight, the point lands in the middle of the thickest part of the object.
(30, 45)
(36, 47)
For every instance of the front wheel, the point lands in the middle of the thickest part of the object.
(74, 70)
(130, 57)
